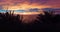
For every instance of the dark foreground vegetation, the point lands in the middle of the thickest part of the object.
(47, 22)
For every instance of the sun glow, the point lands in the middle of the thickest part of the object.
(23, 6)
(29, 13)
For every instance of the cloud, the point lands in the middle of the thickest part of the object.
(36, 3)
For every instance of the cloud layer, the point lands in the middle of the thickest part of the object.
(35, 3)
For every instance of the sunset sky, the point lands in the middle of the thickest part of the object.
(27, 4)
(35, 3)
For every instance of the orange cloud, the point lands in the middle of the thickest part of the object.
(24, 4)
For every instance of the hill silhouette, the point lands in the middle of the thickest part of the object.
(45, 22)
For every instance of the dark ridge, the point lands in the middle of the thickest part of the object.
(45, 22)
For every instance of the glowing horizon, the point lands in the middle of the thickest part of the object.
(27, 4)
(23, 7)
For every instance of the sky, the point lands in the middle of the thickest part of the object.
(27, 4)
(35, 3)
